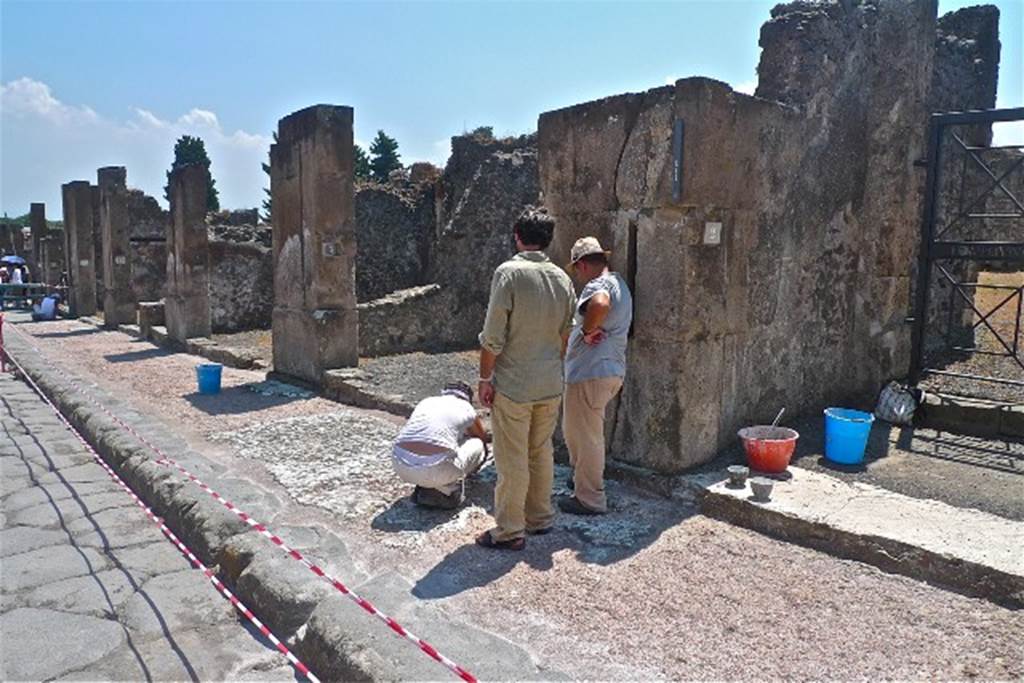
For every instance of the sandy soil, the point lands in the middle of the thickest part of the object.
(652, 590)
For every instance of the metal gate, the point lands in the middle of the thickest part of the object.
(970, 280)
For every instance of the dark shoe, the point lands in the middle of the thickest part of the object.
(486, 541)
(574, 507)
(432, 498)
(540, 532)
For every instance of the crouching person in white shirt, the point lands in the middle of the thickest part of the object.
(442, 443)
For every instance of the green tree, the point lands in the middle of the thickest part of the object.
(383, 156)
(268, 202)
(192, 150)
(361, 164)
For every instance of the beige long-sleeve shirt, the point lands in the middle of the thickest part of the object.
(530, 310)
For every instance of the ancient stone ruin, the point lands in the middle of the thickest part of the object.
(118, 298)
(315, 322)
(771, 240)
(187, 302)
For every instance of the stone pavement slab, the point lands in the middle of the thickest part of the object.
(89, 588)
(41, 644)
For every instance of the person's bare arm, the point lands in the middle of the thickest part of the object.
(485, 390)
(478, 431)
(597, 311)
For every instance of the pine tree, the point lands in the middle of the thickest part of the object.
(384, 156)
(192, 150)
(361, 164)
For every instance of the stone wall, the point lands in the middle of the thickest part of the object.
(149, 269)
(241, 285)
(964, 78)
(147, 229)
(394, 231)
(396, 323)
(802, 301)
(463, 224)
(475, 237)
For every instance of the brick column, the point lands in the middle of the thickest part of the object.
(119, 300)
(187, 304)
(78, 227)
(315, 324)
(37, 223)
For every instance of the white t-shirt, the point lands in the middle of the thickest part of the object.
(16, 277)
(440, 421)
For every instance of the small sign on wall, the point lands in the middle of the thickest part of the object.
(84, 263)
(331, 249)
(120, 260)
(712, 233)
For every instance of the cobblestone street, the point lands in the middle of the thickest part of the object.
(585, 600)
(92, 590)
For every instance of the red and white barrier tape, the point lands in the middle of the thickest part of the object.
(238, 604)
(366, 605)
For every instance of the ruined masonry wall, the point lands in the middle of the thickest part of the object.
(241, 286)
(394, 232)
(803, 301)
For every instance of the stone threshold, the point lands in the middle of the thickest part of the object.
(971, 552)
(973, 416)
(197, 346)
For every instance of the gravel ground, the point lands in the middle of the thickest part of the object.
(964, 471)
(653, 590)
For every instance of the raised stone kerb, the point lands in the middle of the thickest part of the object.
(118, 301)
(80, 231)
(314, 245)
(187, 309)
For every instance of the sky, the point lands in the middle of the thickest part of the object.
(87, 84)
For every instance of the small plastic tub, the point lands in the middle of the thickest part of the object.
(769, 449)
(208, 376)
(846, 435)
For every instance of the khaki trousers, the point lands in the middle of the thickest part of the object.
(583, 428)
(524, 460)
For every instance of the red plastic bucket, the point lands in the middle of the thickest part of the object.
(769, 449)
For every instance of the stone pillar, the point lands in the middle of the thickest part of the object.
(187, 303)
(315, 324)
(78, 227)
(119, 300)
(97, 245)
(37, 223)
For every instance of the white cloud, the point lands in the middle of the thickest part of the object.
(746, 87)
(200, 117)
(27, 98)
(670, 80)
(47, 142)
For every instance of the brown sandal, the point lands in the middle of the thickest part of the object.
(487, 541)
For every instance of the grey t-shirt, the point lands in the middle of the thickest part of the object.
(607, 359)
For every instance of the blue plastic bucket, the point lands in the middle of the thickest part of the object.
(208, 375)
(846, 435)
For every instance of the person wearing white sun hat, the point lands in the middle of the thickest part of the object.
(595, 366)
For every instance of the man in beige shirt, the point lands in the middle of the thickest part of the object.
(529, 317)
